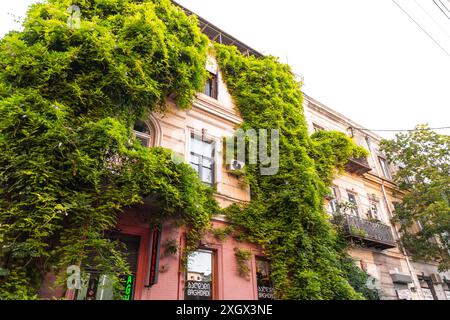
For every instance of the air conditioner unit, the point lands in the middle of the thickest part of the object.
(235, 165)
(436, 278)
(402, 278)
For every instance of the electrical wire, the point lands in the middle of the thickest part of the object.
(398, 130)
(431, 17)
(440, 8)
(431, 37)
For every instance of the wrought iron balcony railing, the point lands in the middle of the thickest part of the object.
(371, 234)
(358, 165)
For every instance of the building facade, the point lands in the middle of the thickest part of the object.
(367, 185)
(158, 271)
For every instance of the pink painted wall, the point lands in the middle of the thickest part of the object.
(171, 277)
(217, 118)
(49, 290)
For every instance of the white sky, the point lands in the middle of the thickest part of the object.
(363, 58)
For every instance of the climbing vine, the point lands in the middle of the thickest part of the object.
(69, 162)
(286, 215)
(69, 95)
(243, 257)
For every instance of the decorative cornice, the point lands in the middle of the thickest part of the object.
(336, 116)
(214, 107)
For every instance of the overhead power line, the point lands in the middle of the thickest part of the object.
(431, 17)
(398, 130)
(429, 35)
(440, 8)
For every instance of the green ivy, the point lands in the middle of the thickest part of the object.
(243, 257)
(286, 213)
(70, 163)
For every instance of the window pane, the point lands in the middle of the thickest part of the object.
(447, 294)
(194, 159)
(428, 295)
(352, 200)
(211, 86)
(385, 168)
(208, 88)
(196, 145)
(207, 175)
(208, 163)
(195, 167)
(334, 192)
(199, 276)
(374, 210)
(334, 200)
(204, 148)
(140, 126)
(333, 205)
(202, 154)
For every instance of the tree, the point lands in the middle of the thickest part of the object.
(423, 179)
(70, 92)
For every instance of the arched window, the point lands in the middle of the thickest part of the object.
(144, 133)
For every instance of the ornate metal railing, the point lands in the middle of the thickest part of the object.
(358, 165)
(372, 234)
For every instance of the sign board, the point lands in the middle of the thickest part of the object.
(198, 290)
(265, 293)
(129, 287)
(154, 256)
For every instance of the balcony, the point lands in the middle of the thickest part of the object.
(358, 165)
(371, 234)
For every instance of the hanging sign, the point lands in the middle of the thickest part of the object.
(129, 287)
(155, 246)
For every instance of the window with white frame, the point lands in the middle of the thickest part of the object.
(352, 199)
(143, 133)
(334, 199)
(211, 86)
(374, 210)
(385, 168)
(200, 275)
(202, 152)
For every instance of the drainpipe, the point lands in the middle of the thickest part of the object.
(396, 232)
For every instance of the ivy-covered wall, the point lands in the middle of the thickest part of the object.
(70, 164)
(286, 214)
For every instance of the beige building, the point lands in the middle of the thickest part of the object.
(367, 184)
(196, 137)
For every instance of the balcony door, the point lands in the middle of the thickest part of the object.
(353, 211)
